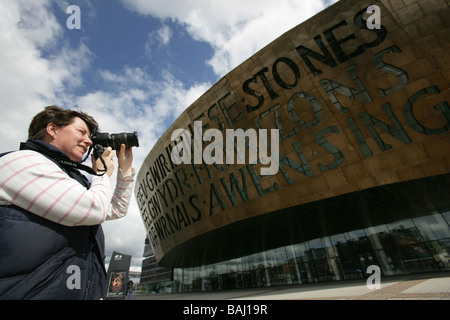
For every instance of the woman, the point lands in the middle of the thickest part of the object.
(51, 241)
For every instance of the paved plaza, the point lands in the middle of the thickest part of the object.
(435, 286)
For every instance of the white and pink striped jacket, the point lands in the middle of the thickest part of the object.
(32, 182)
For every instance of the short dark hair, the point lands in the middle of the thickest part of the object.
(59, 116)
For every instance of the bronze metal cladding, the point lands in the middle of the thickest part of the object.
(358, 106)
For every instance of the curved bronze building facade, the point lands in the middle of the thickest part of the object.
(360, 97)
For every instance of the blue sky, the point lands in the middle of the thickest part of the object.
(135, 65)
(119, 37)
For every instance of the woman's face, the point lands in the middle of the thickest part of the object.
(73, 139)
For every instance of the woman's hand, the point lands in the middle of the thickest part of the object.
(125, 159)
(107, 156)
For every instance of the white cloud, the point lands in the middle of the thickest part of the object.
(135, 101)
(28, 82)
(235, 29)
(158, 39)
(164, 34)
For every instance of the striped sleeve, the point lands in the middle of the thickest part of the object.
(122, 195)
(32, 182)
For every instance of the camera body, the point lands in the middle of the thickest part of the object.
(103, 140)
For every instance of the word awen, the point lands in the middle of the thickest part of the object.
(236, 139)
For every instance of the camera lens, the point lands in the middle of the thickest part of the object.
(115, 140)
(128, 139)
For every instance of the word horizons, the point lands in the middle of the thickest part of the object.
(213, 153)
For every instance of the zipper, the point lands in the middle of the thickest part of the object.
(87, 290)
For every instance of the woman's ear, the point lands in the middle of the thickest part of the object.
(51, 130)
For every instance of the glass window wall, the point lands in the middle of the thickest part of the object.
(413, 245)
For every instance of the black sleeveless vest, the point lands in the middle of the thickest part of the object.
(40, 259)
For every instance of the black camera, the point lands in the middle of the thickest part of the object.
(103, 140)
